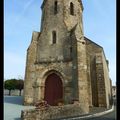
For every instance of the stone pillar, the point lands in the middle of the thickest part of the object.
(89, 81)
(37, 92)
(82, 76)
(100, 81)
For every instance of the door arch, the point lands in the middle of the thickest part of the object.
(53, 89)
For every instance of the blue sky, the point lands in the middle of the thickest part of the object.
(22, 17)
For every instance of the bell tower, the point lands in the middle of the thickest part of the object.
(61, 50)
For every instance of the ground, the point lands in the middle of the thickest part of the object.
(109, 116)
(13, 106)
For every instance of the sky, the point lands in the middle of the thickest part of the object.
(22, 17)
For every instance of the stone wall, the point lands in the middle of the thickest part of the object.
(72, 57)
(98, 73)
(107, 80)
(43, 56)
(30, 69)
(62, 69)
(91, 50)
(100, 81)
(52, 113)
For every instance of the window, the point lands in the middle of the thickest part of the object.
(71, 8)
(54, 37)
(70, 49)
(55, 7)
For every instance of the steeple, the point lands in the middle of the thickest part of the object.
(58, 67)
(66, 11)
(60, 48)
(44, 1)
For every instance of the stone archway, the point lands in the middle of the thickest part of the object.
(53, 89)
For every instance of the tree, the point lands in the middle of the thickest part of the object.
(20, 85)
(10, 84)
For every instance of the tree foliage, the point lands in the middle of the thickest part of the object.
(20, 85)
(12, 84)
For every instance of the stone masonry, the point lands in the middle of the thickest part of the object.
(61, 52)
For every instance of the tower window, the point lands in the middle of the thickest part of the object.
(71, 8)
(54, 37)
(70, 49)
(55, 7)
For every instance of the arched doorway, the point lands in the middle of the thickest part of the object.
(53, 89)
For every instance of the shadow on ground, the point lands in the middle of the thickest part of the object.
(14, 100)
(17, 119)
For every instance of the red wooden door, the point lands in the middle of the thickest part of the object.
(53, 89)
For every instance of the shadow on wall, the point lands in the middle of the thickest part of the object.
(14, 99)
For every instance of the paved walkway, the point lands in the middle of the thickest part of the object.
(13, 106)
(108, 116)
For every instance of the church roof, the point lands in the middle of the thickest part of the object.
(90, 41)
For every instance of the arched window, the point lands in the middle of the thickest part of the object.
(54, 37)
(71, 8)
(55, 7)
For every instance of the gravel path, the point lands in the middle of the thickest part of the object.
(13, 106)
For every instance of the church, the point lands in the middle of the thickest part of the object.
(63, 64)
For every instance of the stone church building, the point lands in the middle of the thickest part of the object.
(62, 64)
